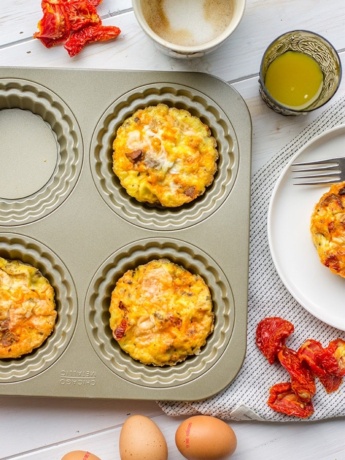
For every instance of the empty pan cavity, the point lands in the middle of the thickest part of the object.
(30, 153)
(41, 151)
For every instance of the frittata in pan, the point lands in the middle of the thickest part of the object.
(164, 156)
(160, 313)
(328, 228)
(27, 308)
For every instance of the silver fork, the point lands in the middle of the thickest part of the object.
(320, 172)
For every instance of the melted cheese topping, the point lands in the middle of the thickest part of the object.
(161, 313)
(328, 229)
(164, 156)
(27, 309)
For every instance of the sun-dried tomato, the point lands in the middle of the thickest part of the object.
(120, 331)
(54, 27)
(81, 13)
(331, 382)
(310, 361)
(302, 380)
(337, 348)
(122, 306)
(322, 363)
(319, 359)
(271, 334)
(90, 34)
(283, 399)
(75, 22)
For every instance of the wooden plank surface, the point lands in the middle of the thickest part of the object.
(38, 429)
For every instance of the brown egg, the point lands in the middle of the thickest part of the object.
(80, 455)
(203, 437)
(141, 439)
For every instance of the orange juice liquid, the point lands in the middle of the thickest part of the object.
(294, 80)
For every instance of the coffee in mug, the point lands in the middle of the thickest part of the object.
(183, 28)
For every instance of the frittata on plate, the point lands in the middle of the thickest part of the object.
(164, 156)
(328, 228)
(160, 313)
(27, 308)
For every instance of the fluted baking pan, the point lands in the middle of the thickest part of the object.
(63, 211)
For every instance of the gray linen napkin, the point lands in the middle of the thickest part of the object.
(246, 397)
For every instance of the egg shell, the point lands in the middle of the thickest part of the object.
(203, 437)
(141, 439)
(80, 455)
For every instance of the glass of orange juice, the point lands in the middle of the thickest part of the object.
(300, 71)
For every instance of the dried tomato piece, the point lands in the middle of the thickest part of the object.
(331, 382)
(120, 331)
(95, 2)
(319, 359)
(90, 34)
(337, 349)
(82, 13)
(54, 27)
(302, 380)
(271, 334)
(283, 399)
(122, 306)
(322, 363)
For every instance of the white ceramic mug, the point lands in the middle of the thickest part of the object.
(188, 28)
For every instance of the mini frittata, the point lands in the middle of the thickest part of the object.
(27, 308)
(164, 156)
(160, 313)
(328, 229)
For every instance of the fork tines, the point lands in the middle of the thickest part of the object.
(318, 172)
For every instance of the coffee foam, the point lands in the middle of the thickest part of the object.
(188, 22)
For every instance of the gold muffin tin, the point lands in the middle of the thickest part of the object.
(63, 210)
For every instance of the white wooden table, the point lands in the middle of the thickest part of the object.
(45, 428)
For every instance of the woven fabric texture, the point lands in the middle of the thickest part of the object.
(246, 397)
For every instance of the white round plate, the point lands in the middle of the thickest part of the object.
(319, 291)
